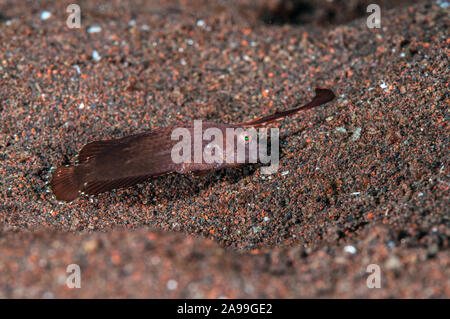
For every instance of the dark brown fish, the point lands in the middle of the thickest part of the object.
(124, 162)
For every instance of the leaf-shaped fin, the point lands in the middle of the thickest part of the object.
(96, 187)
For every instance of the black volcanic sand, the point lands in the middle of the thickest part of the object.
(363, 180)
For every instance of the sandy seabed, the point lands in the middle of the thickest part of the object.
(363, 180)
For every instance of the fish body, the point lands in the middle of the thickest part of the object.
(120, 163)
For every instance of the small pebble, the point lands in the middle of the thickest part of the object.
(94, 29)
(77, 68)
(356, 134)
(172, 284)
(95, 56)
(350, 249)
(383, 85)
(443, 4)
(45, 15)
(392, 263)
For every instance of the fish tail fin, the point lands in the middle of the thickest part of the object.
(64, 184)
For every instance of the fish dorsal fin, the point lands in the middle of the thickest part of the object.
(93, 149)
(322, 96)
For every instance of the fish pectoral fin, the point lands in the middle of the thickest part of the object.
(96, 187)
